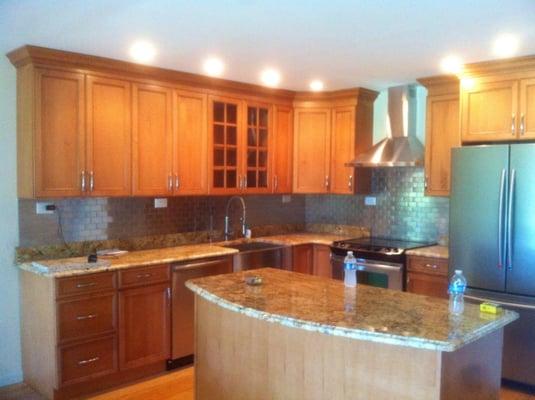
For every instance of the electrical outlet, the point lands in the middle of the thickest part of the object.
(160, 203)
(286, 198)
(370, 201)
(44, 207)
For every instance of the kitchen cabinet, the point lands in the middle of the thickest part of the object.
(282, 154)
(427, 276)
(303, 258)
(322, 261)
(152, 137)
(442, 132)
(527, 109)
(328, 133)
(257, 147)
(57, 107)
(190, 143)
(108, 140)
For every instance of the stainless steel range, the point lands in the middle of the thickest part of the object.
(381, 261)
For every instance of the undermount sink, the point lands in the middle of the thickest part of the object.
(252, 246)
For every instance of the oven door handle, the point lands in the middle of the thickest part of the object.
(367, 266)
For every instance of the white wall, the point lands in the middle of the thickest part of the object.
(10, 367)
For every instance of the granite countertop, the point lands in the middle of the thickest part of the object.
(430, 251)
(367, 313)
(78, 265)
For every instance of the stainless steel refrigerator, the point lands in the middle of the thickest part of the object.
(492, 239)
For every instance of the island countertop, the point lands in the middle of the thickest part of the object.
(365, 312)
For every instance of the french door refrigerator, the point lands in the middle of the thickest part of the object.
(492, 239)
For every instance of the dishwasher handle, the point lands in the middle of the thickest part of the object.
(186, 267)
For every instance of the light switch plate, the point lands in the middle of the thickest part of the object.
(370, 201)
(160, 203)
(286, 198)
(40, 207)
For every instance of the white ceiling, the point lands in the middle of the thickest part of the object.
(370, 43)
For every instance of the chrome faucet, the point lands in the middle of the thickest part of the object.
(242, 219)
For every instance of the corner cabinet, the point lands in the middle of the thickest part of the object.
(329, 131)
(442, 132)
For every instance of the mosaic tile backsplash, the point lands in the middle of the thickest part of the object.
(402, 210)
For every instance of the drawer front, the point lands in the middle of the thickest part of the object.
(86, 317)
(436, 266)
(88, 360)
(83, 284)
(144, 275)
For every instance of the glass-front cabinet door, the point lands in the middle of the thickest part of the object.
(225, 117)
(257, 148)
(240, 146)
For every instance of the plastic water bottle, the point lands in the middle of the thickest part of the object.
(350, 270)
(456, 291)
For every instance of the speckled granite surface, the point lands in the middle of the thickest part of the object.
(78, 266)
(431, 251)
(367, 313)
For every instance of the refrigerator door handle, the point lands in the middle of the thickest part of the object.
(510, 208)
(501, 258)
(502, 303)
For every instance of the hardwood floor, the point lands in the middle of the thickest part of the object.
(173, 386)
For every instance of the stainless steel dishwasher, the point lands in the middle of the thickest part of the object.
(182, 312)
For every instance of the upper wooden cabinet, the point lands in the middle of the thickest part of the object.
(282, 149)
(442, 132)
(108, 137)
(330, 131)
(152, 140)
(527, 108)
(57, 140)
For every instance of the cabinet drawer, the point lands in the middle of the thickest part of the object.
(85, 284)
(86, 317)
(144, 275)
(436, 266)
(88, 360)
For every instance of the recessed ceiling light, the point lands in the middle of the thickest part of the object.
(270, 77)
(143, 51)
(451, 65)
(316, 85)
(213, 66)
(505, 45)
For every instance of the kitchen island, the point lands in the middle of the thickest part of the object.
(297, 336)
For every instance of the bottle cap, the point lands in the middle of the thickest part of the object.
(458, 271)
(349, 253)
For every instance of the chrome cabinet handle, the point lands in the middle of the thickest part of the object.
(91, 181)
(426, 182)
(83, 181)
(522, 126)
(239, 182)
(501, 260)
(275, 182)
(88, 361)
(169, 182)
(245, 181)
(84, 285)
(147, 275)
(510, 220)
(350, 182)
(84, 317)
(513, 125)
(327, 181)
(434, 266)
(177, 182)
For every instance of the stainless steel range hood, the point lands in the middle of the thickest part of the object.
(401, 148)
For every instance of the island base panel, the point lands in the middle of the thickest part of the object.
(239, 357)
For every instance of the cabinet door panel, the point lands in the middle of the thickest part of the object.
(152, 140)
(144, 325)
(311, 150)
(489, 111)
(442, 135)
(303, 258)
(59, 139)
(282, 154)
(257, 148)
(342, 150)
(108, 136)
(191, 143)
(322, 261)
(527, 109)
(428, 285)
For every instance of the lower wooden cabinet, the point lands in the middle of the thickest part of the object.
(144, 325)
(427, 276)
(314, 259)
(322, 261)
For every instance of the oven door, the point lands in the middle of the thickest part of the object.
(371, 272)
